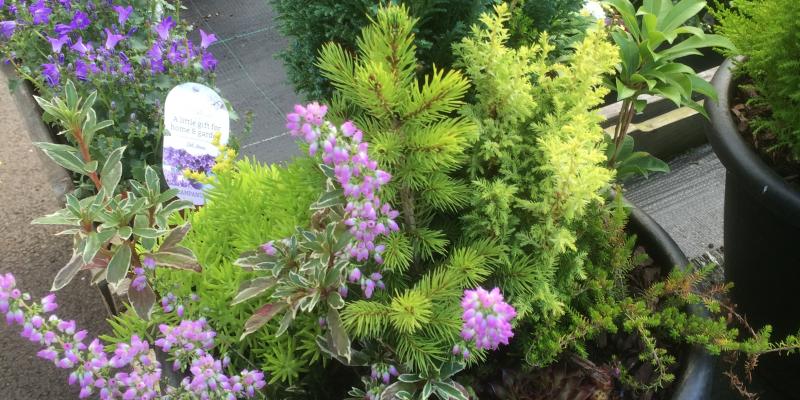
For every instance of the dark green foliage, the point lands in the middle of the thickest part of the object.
(767, 32)
(311, 23)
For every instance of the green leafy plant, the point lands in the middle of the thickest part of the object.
(120, 51)
(651, 41)
(766, 33)
(114, 231)
(441, 23)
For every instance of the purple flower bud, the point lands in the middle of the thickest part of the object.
(355, 275)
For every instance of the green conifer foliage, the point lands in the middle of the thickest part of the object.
(407, 122)
(538, 164)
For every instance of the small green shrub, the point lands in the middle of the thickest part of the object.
(310, 24)
(767, 32)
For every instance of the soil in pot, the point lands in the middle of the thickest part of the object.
(599, 376)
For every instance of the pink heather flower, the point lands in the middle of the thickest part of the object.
(49, 303)
(487, 318)
(269, 248)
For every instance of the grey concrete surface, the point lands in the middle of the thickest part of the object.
(249, 75)
(687, 202)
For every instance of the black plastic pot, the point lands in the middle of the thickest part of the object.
(695, 380)
(762, 237)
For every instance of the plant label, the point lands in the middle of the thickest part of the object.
(193, 115)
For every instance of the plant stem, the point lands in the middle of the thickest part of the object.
(623, 124)
(87, 158)
(407, 200)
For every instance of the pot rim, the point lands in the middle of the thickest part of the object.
(695, 380)
(761, 181)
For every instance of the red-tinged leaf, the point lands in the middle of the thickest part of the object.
(175, 237)
(142, 301)
(261, 317)
(68, 272)
(253, 288)
(100, 261)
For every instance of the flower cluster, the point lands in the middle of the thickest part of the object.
(131, 55)
(358, 175)
(487, 318)
(138, 373)
(368, 283)
(383, 372)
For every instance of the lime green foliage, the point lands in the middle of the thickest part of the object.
(538, 164)
(768, 33)
(407, 122)
(651, 41)
(248, 205)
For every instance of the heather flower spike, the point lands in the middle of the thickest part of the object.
(94, 370)
(487, 318)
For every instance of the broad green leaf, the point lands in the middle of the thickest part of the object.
(340, 341)
(149, 233)
(68, 272)
(125, 232)
(629, 53)
(94, 241)
(450, 392)
(151, 180)
(671, 92)
(63, 155)
(327, 171)
(640, 163)
(335, 300)
(427, 390)
(112, 171)
(681, 13)
(628, 14)
(178, 258)
(253, 288)
(71, 94)
(623, 91)
(398, 390)
(119, 265)
(701, 86)
(690, 46)
(449, 369)
(409, 378)
(142, 301)
(60, 217)
(329, 199)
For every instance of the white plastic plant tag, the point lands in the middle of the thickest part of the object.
(193, 114)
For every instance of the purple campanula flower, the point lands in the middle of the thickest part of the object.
(163, 27)
(51, 74)
(62, 29)
(112, 39)
(80, 21)
(7, 28)
(79, 47)
(81, 70)
(40, 12)
(123, 13)
(58, 43)
(173, 55)
(207, 39)
(66, 3)
(208, 62)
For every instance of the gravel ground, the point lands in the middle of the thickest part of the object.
(34, 255)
